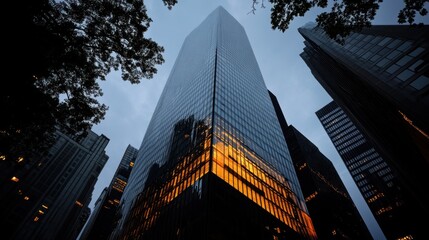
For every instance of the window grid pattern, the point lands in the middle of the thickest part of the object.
(215, 83)
(366, 166)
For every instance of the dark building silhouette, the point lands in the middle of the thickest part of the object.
(103, 217)
(330, 206)
(376, 181)
(380, 78)
(50, 201)
(213, 163)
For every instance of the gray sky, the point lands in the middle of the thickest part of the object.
(277, 53)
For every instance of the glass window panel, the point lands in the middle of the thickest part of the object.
(375, 58)
(383, 62)
(415, 65)
(405, 75)
(394, 43)
(384, 41)
(377, 39)
(416, 52)
(392, 69)
(404, 60)
(393, 54)
(405, 46)
(420, 82)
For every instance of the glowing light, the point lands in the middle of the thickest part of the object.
(14, 179)
(20, 159)
(26, 198)
(79, 204)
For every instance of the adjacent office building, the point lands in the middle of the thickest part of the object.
(330, 206)
(380, 79)
(214, 163)
(50, 201)
(376, 181)
(103, 218)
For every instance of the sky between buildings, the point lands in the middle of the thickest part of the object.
(285, 74)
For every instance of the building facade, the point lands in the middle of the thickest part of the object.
(213, 163)
(376, 181)
(103, 218)
(330, 206)
(380, 78)
(51, 201)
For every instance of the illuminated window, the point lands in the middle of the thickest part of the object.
(44, 206)
(131, 164)
(26, 198)
(36, 219)
(20, 159)
(14, 179)
(2, 157)
(79, 204)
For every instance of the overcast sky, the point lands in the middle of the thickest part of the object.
(277, 53)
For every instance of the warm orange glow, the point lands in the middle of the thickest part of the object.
(20, 159)
(2, 157)
(131, 164)
(302, 166)
(383, 210)
(119, 185)
(26, 198)
(36, 219)
(41, 212)
(377, 196)
(408, 237)
(14, 179)
(248, 173)
(44, 206)
(313, 195)
(79, 203)
(409, 121)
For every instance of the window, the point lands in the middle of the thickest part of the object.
(420, 82)
(405, 75)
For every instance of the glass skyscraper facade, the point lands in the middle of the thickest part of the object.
(380, 79)
(376, 181)
(213, 163)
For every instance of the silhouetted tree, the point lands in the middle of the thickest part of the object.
(345, 15)
(60, 50)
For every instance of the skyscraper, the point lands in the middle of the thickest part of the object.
(330, 206)
(51, 201)
(376, 181)
(380, 78)
(213, 163)
(103, 217)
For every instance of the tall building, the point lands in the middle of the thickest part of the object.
(380, 78)
(376, 181)
(102, 220)
(213, 163)
(330, 206)
(50, 201)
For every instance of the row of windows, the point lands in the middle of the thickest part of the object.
(352, 146)
(349, 141)
(258, 186)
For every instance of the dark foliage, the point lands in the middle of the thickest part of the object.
(61, 50)
(345, 16)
